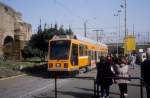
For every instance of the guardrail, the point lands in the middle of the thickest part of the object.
(62, 77)
(96, 86)
(142, 84)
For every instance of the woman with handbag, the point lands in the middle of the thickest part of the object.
(121, 71)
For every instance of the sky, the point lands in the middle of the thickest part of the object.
(98, 15)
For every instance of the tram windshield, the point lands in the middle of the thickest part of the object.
(59, 49)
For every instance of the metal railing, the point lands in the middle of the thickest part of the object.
(56, 89)
(96, 86)
(142, 84)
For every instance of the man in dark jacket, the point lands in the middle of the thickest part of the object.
(103, 74)
(145, 72)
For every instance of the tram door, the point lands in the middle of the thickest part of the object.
(74, 55)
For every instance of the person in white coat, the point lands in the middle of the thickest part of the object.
(121, 71)
(133, 60)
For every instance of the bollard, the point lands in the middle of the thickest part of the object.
(55, 87)
(97, 90)
(94, 88)
(141, 88)
(141, 82)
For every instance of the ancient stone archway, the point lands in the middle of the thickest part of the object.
(8, 47)
(14, 32)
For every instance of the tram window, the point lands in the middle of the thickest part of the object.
(93, 55)
(74, 54)
(99, 54)
(89, 54)
(85, 50)
(82, 50)
(102, 53)
(96, 55)
(59, 49)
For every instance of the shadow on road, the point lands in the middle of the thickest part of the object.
(44, 97)
(37, 70)
(42, 71)
(76, 94)
(136, 85)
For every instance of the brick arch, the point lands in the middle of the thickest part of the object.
(8, 47)
(8, 39)
(6, 35)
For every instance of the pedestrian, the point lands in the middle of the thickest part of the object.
(145, 71)
(103, 74)
(129, 59)
(114, 58)
(121, 71)
(133, 60)
(109, 59)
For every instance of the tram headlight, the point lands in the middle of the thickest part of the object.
(65, 65)
(58, 65)
(50, 65)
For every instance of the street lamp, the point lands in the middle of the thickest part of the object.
(125, 15)
(116, 15)
(119, 11)
(101, 30)
(85, 28)
(125, 22)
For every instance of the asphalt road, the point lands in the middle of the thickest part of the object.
(22, 86)
(29, 86)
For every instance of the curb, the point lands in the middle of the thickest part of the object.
(11, 77)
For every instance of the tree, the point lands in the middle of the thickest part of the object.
(39, 41)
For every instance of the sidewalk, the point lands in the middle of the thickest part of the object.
(84, 88)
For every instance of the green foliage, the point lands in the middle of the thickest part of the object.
(38, 45)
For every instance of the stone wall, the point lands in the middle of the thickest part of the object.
(12, 25)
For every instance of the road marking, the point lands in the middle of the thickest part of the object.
(12, 77)
(41, 89)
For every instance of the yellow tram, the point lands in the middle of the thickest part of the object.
(67, 53)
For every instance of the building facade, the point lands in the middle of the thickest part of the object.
(14, 32)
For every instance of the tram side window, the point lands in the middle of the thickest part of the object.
(82, 50)
(74, 54)
(96, 55)
(93, 55)
(102, 54)
(99, 55)
(89, 55)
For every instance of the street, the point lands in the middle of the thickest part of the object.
(28, 86)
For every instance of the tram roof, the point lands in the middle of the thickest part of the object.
(78, 37)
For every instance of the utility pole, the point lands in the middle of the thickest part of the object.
(101, 30)
(125, 24)
(148, 36)
(133, 30)
(125, 16)
(125, 19)
(85, 28)
(139, 37)
(119, 11)
(97, 34)
(116, 15)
